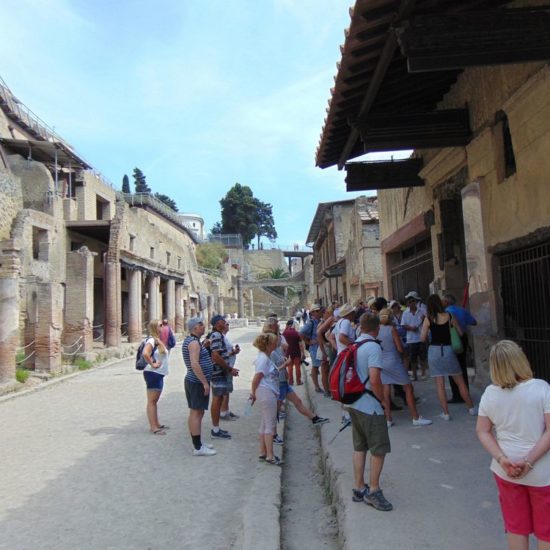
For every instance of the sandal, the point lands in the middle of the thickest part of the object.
(275, 461)
(160, 431)
(163, 427)
(261, 457)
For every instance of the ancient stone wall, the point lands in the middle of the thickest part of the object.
(11, 201)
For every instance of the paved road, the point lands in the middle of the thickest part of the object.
(80, 469)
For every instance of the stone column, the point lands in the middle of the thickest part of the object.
(481, 290)
(47, 343)
(10, 268)
(209, 307)
(153, 291)
(221, 306)
(179, 322)
(251, 302)
(113, 305)
(79, 300)
(170, 313)
(134, 305)
(240, 304)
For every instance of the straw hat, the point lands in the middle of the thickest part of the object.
(345, 310)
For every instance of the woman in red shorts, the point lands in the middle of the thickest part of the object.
(517, 406)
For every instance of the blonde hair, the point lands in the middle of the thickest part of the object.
(155, 333)
(264, 340)
(508, 365)
(385, 316)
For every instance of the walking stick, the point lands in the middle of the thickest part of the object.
(346, 425)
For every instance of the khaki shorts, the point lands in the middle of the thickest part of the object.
(370, 433)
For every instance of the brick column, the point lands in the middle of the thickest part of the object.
(113, 318)
(134, 305)
(79, 308)
(179, 323)
(170, 312)
(9, 310)
(47, 344)
(153, 291)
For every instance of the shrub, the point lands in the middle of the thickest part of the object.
(21, 375)
(211, 255)
(82, 364)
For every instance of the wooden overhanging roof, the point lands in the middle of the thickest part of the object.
(379, 104)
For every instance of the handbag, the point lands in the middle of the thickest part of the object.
(456, 340)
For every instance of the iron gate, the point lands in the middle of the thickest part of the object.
(415, 273)
(525, 293)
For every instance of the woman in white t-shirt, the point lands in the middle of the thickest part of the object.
(517, 406)
(156, 354)
(265, 390)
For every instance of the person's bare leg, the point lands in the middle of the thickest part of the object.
(517, 542)
(359, 461)
(464, 392)
(376, 465)
(324, 375)
(441, 395)
(152, 413)
(387, 401)
(290, 370)
(315, 377)
(215, 410)
(268, 443)
(543, 545)
(298, 403)
(225, 405)
(194, 421)
(411, 404)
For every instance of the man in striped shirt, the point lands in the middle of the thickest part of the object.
(197, 383)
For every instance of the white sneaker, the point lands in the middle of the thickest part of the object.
(421, 421)
(445, 417)
(472, 411)
(389, 423)
(204, 451)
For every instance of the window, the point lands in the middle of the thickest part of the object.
(152, 253)
(132, 243)
(504, 148)
(179, 263)
(39, 241)
(168, 258)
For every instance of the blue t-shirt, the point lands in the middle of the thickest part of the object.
(463, 316)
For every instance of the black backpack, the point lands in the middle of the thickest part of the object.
(141, 363)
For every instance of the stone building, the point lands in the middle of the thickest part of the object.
(469, 211)
(346, 251)
(81, 263)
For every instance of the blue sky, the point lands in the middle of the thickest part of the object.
(199, 94)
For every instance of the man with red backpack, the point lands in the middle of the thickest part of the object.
(370, 432)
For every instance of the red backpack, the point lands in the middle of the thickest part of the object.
(344, 382)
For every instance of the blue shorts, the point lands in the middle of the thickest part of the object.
(284, 389)
(153, 380)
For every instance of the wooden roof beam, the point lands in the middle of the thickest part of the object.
(477, 38)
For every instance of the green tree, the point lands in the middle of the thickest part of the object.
(167, 200)
(211, 255)
(139, 182)
(244, 214)
(126, 184)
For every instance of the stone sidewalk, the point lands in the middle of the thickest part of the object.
(437, 478)
(81, 469)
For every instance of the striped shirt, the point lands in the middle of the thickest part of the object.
(204, 360)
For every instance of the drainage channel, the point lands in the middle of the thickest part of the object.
(308, 519)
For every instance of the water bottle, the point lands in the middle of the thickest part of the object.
(248, 407)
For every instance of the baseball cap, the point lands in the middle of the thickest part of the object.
(216, 319)
(193, 322)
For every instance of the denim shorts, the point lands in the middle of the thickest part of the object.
(284, 389)
(219, 386)
(153, 380)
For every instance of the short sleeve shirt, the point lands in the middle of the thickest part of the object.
(270, 378)
(217, 343)
(414, 320)
(518, 417)
(343, 326)
(368, 356)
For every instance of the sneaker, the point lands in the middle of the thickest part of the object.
(327, 394)
(389, 423)
(233, 416)
(319, 390)
(225, 417)
(319, 420)
(359, 494)
(222, 434)
(204, 451)
(275, 461)
(282, 415)
(421, 421)
(445, 417)
(472, 411)
(278, 440)
(377, 500)
(423, 378)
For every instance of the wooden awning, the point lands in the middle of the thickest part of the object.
(374, 85)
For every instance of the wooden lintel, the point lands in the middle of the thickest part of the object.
(368, 176)
(393, 131)
(459, 40)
